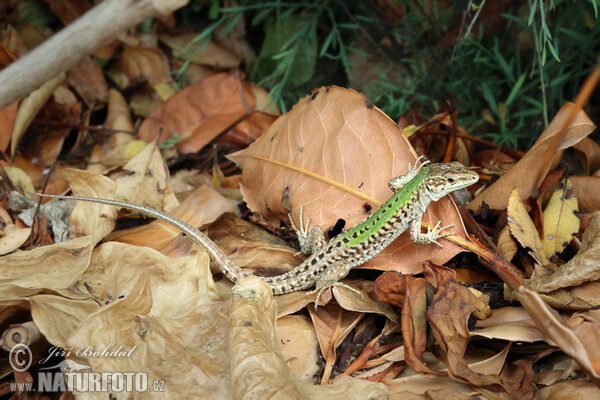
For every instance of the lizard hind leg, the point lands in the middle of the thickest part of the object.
(322, 286)
(310, 241)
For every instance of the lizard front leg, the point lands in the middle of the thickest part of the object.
(311, 241)
(396, 183)
(431, 236)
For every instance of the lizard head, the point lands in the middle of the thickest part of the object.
(442, 178)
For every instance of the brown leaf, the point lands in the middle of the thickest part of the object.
(589, 154)
(201, 51)
(88, 81)
(199, 112)
(12, 237)
(583, 267)
(586, 188)
(201, 208)
(55, 267)
(68, 10)
(522, 228)
(144, 63)
(448, 316)
(334, 155)
(414, 324)
(29, 107)
(557, 333)
(7, 120)
(144, 180)
(569, 126)
(299, 346)
(252, 247)
(90, 218)
(257, 365)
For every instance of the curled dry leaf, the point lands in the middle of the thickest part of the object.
(257, 365)
(583, 267)
(522, 228)
(251, 246)
(55, 267)
(168, 316)
(560, 221)
(199, 113)
(569, 126)
(29, 108)
(93, 219)
(582, 348)
(202, 207)
(298, 342)
(589, 154)
(87, 79)
(570, 390)
(366, 303)
(333, 324)
(586, 189)
(143, 180)
(144, 63)
(481, 362)
(334, 155)
(448, 315)
(201, 52)
(506, 244)
(7, 120)
(12, 237)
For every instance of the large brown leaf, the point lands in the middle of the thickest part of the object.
(199, 112)
(567, 128)
(334, 154)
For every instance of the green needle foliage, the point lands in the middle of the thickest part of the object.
(509, 70)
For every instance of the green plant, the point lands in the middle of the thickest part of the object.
(505, 90)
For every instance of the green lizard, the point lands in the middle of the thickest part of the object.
(331, 261)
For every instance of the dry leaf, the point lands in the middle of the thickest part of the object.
(448, 316)
(557, 333)
(7, 120)
(54, 267)
(201, 208)
(586, 189)
(200, 51)
(560, 221)
(257, 365)
(334, 155)
(583, 267)
(298, 342)
(88, 81)
(144, 63)
(29, 108)
(570, 390)
(90, 218)
(143, 180)
(12, 237)
(589, 154)
(200, 112)
(506, 244)
(522, 228)
(569, 126)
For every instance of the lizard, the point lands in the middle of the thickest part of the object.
(330, 261)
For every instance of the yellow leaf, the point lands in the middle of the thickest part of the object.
(165, 90)
(522, 228)
(560, 221)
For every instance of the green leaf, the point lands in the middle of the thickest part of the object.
(294, 32)
(515, 90)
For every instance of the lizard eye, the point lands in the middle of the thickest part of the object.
(451, 180)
